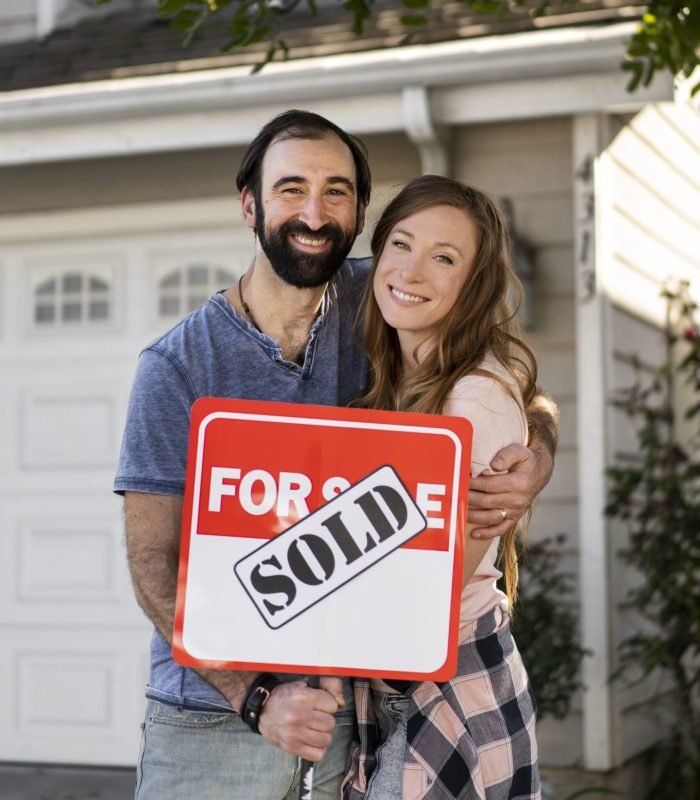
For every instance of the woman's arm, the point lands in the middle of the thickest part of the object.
(525, 471)
(474, 552)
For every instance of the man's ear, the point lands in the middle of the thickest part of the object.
(361, 209)
(248, 205)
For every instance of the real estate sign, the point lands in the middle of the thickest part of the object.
(322, 540)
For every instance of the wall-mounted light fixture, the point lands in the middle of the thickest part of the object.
(523, 255)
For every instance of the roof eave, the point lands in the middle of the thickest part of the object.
(533, 74)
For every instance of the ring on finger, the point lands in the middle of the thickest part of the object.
(504, 516)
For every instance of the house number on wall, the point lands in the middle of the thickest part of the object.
(585, 229)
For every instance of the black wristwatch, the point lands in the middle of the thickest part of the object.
(258, 694)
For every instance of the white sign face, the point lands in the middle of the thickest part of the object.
(322, 540)
(318, 555)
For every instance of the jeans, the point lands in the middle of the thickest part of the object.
(195, 755)
(386, 782)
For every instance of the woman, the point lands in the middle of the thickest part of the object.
(441, 338)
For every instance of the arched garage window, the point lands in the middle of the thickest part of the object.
(185, 289)
(72, 298)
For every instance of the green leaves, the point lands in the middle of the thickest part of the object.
(545, 628)
(360, 10)
(656, 493)
(486, 6)
(167, 7)
(414, 20)
(668, 38)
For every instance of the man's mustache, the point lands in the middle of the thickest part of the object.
(330, 230)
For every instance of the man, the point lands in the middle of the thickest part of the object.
(284, 333)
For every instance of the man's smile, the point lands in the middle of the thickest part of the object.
(309, 241)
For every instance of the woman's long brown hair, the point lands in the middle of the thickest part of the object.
(481, 322)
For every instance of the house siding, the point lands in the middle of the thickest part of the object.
(163, 176)
(531, 163)
(654, 236)
(17, 20)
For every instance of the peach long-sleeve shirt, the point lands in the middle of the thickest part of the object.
(494, 407)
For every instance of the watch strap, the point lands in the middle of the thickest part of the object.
(258, 694)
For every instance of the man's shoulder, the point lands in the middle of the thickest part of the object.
(357, 268)
(352, 275)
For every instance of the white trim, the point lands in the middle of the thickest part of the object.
(45, 17)
(194, 214)
(469, 80)
(591, 303)
(418, 122)
(549, 96)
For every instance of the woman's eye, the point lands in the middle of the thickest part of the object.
(401, 245)
(445, 259)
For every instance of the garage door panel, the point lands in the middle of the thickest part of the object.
(71, 697)
(66, 566)
(181, 277)
(59, 561)
(77, 305)
(76, 290)
(68, 427)
(70, 419)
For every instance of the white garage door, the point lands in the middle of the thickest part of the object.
(80, 294)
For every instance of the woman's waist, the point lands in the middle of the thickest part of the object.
(491, 614)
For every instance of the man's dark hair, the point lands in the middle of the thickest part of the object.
(295, 124)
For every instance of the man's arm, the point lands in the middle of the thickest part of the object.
(526, 472)
(297, 719)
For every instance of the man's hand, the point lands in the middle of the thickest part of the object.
(300, 720)
(497, 502)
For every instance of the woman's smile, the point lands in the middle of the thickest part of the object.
(406, 297)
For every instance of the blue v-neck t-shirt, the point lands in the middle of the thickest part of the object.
(214, 352)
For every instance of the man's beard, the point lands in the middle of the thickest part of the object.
(300, 269)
